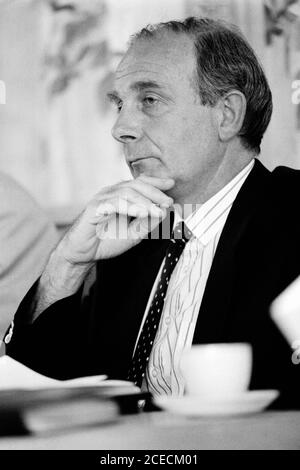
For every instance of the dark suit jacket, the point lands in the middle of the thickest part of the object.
(257, 257)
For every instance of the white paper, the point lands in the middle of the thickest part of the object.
(14, 375)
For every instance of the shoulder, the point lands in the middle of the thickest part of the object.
(22, 220)
(14, 197)
(284, 174)
(286, 183)
(284, 198)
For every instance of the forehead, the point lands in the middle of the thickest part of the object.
(168, 61)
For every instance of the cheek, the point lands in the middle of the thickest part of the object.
(201, 134)
(193, 147)
(182, 139)
(168, 139)
(178, 143)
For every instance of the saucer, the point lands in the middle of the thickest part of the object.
(242, 404)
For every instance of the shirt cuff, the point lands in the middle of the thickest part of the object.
(8, 336)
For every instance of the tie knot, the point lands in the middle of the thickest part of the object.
(181, 232)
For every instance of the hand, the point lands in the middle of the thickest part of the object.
(117, 219)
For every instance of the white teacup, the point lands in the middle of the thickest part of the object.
(214, 370)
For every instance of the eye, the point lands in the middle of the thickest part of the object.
(119, 105)
(150, 101)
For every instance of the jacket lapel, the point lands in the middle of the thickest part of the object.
(219, 290)
(139, 268)
(151, 253)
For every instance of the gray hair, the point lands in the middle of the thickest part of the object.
(225, 62)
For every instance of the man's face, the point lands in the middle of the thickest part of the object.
(165, 130)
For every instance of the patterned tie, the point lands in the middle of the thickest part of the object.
(181, 234)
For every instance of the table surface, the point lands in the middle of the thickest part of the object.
(160, 430)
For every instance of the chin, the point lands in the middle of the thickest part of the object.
(149, 167)
(154, 172)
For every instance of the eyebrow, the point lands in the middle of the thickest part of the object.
(137, 86)
(142, 85)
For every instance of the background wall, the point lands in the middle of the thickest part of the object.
(57, 58)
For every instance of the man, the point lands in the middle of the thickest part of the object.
(26, 239)
(193, 105)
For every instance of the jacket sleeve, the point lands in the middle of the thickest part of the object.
(54, 344)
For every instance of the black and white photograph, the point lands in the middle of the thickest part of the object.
(149, 228)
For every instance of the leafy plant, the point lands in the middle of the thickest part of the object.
(278, 19)
(77, 45)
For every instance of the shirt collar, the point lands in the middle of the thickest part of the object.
(208, 219)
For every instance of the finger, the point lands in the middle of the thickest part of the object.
(140, 227)
(126, 207)
(144, 187)
(132, 196)
(152, 193)
(161, 183)
(142, 193)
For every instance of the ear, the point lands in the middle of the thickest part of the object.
(232, 110)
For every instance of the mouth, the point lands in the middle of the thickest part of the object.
(136, 161)
(149, 166)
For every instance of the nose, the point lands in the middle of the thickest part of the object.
(127, 128)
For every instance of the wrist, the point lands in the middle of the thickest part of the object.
(63, 276)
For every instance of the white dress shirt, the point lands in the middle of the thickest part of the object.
(186, 289)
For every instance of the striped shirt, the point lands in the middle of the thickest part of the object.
(186, 289)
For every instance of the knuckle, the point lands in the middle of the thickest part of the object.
(127, 191)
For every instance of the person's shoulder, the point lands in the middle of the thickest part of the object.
(11, 187)
(286, 188)
(15, 198)
(287, 179)
(21, 216)
(286, 174)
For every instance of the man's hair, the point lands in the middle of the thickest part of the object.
(224, 62)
